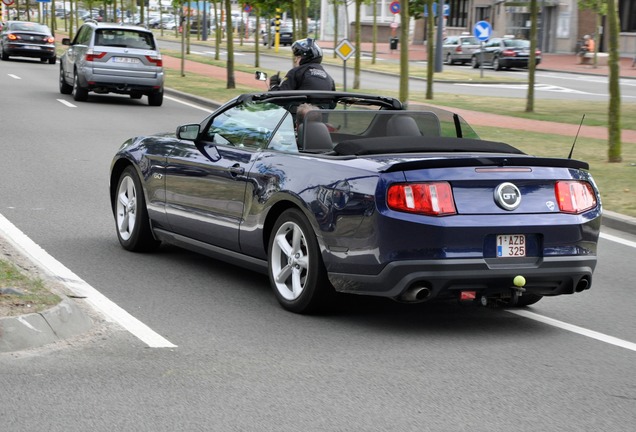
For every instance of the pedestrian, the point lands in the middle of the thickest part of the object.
(587, 46)
(307, 73)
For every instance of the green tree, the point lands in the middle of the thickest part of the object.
(614, 111)
(231, 81)
(430, 52)
(532, 60)
(404, 52)
(610, 9)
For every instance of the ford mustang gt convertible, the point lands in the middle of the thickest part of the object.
(333, 192)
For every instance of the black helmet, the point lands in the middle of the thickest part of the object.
(307, 50)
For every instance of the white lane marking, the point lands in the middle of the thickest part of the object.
(100, 302)
(576, 329)
(67, 103)
(540, 87)
(188, 104)
(618, 240)
(14, 76)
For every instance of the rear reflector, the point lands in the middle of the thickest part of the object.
(467, 295)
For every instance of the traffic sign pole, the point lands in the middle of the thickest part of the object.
(482, 31)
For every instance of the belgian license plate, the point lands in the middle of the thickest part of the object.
(125, 60)
(511, 245)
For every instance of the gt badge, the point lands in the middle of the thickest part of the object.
(507, 196)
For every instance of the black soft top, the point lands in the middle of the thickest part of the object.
(420, 144)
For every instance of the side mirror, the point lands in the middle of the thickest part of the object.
(188, 132)
(261, 76)
(66, 41)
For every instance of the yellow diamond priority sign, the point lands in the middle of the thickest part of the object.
(345, 50)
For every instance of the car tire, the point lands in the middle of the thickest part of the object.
(80, 94)
(496, 64)
(64, 87)
(136, 95)
(473, 62)
(296, 271)
(155, 99)
(5, 56)
(449, 59)
(131, 215)
(52, 60)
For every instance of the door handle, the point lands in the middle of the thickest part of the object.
(237, 170)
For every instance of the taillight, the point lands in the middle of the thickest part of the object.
(92, 55)
(509, 53)
(458, 50)
(537, 53)
(49, 39)
(157, 60)
(433, 199)
(574, 196)
(11, 36)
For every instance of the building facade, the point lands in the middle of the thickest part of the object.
(561, 23)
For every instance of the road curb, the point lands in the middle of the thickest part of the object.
(60, 322)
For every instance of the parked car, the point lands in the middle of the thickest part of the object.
(112, 58)
(505, 53)
(27, 39)
(364, 197)
(459, 49)
(286, 36)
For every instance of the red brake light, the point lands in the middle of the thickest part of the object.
(458, 50)
(11, 36)
(157, 60)
(92, 56)
(574, 196)
(509, 53)
(49, 39)
(433, 199)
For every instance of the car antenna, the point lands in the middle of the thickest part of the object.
(577, 135)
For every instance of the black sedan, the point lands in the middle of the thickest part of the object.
(285, 36)
(504, 53)
(27, 39)
(359, 195)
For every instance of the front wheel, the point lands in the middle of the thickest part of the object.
(64, 87)
(296, 271)
(131, 216)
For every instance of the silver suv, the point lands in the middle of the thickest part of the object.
(111, 58)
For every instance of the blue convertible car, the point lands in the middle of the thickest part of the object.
(331, 192)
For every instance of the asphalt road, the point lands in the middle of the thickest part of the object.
(242, 363)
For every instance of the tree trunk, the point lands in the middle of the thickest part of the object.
(404, 52)
(614, 112)
(532, 59)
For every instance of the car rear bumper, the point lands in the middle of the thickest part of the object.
(29, 50)
(445, 279)
(117, 83)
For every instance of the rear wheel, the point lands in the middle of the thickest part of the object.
(296, 271)
(136, 95)
(473, 62)
(155, 99)
(5, 56)
(64, 87)
(131, 214)
(53, 60)
(449, 59)
(80, 94)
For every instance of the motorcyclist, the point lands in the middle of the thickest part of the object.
(307, 73)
